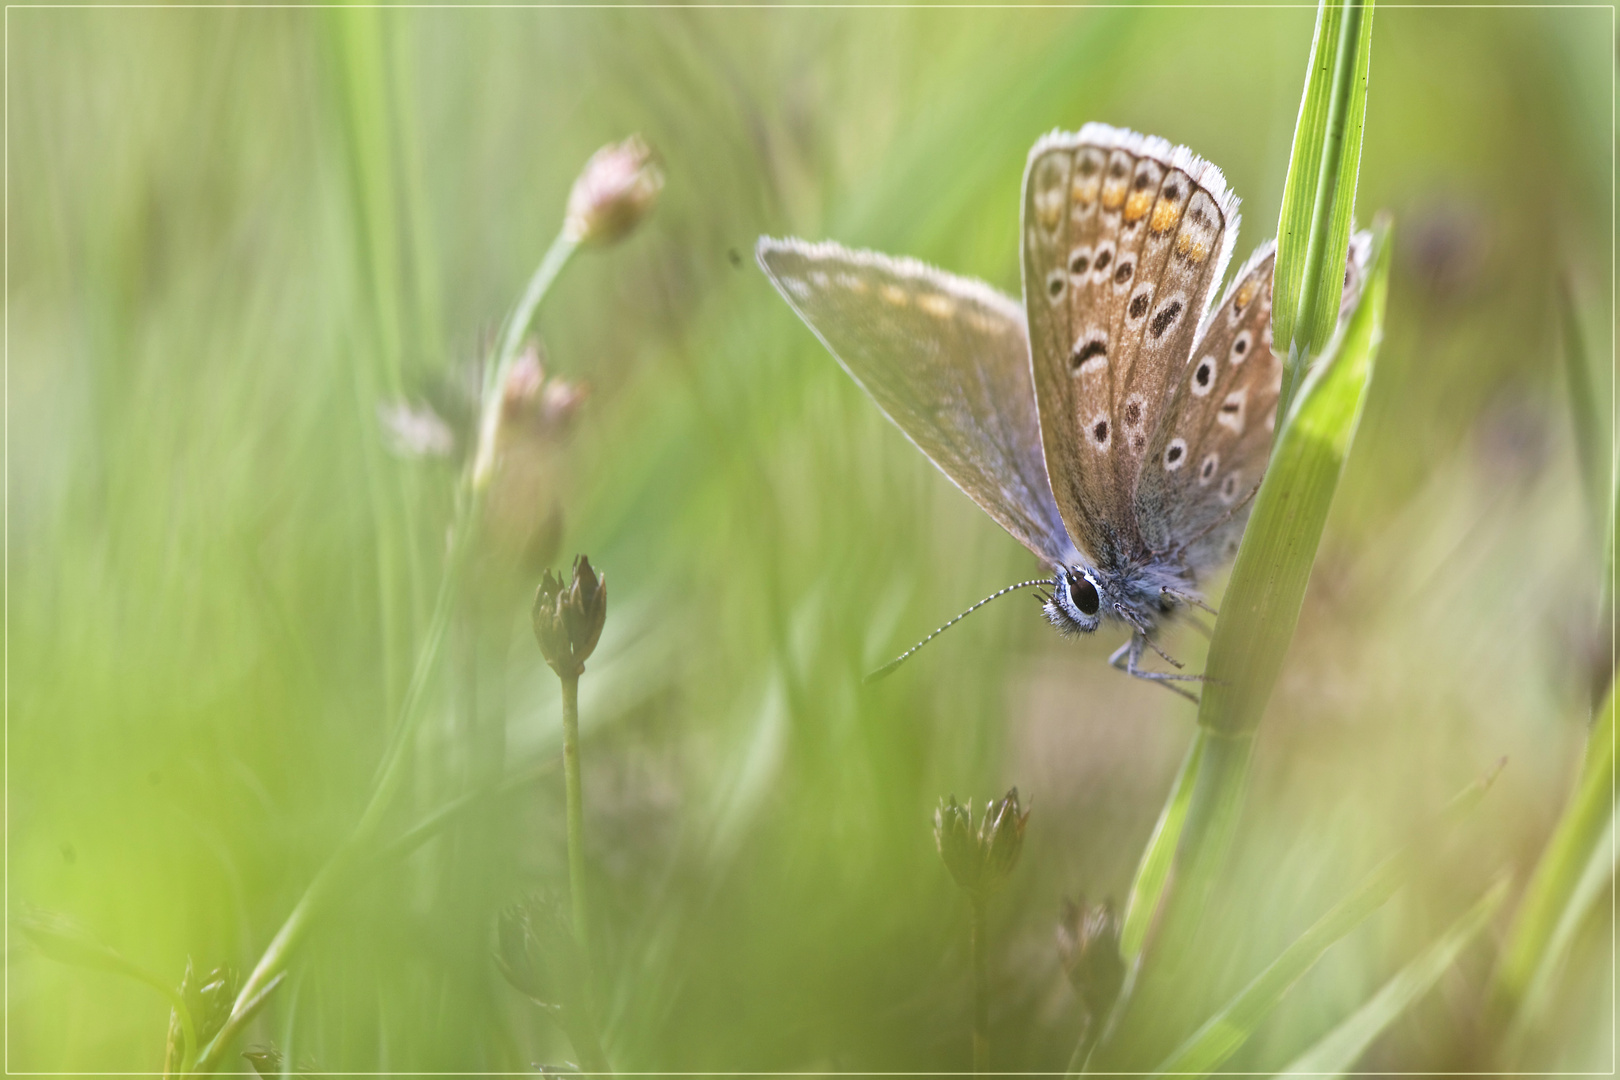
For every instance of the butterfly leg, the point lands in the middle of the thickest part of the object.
(1131, 653)
(1190, 599)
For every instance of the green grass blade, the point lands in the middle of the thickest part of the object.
(1538, 994)
(1262, 602)
(1555, 882)
(1586, 409)
(1319, 193)
(1338, 1051)
(1258, 615)
(1148, 887)
(1341, 167)
(1225, 1032)
(1304, 169)
(1230, 1028)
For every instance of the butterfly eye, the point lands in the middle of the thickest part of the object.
(1084, 594)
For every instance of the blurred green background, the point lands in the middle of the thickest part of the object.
(232, 234)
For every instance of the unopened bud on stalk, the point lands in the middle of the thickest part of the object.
(1088, 947)
(615, 190)
(980, 858)
(568, 618)
(208, 998)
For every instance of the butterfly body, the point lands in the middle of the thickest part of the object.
(1114, 422)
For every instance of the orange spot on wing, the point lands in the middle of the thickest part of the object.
(1165, 215)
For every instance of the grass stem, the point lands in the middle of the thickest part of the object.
(576, 813)
(356, 849)
(981, 988)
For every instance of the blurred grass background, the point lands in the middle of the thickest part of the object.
(232, 233)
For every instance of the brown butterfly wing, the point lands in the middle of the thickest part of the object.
(946, 358)
(1124, 237)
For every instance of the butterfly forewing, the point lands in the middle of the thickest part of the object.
(1124, 238)
(947, 360)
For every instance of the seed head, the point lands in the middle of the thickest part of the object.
(980, 858)
(616, 189)
(568, 618)
(1088, 946)
(208, 998)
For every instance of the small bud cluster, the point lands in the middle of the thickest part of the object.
(532, 404)
(1088, 946)
(616, 189)
(980, 857)
(568, 617)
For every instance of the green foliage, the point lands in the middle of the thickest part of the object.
(1554, 899)
(1224, 1033)
(1336, 1052)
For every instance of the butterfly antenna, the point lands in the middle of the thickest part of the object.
(903, 657)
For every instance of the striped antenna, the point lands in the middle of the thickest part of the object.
(903, 657)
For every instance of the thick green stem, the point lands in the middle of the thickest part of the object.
(981, 989)
(1157, 992)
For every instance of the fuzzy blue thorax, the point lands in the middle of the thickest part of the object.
(1142, 594)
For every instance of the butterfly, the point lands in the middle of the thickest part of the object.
(1115, 422)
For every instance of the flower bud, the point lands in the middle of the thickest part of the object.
(1088, 947)
(615, 190)
(523, 382)
(958, 844)
(568, 619)
(534, 407)
(269, 1062)
(980, 858)
(415, 431)
(1001, 834)
(208, 999)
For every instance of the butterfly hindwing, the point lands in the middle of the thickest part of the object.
(1124, 236)
(946, 358)
(1211, 449)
